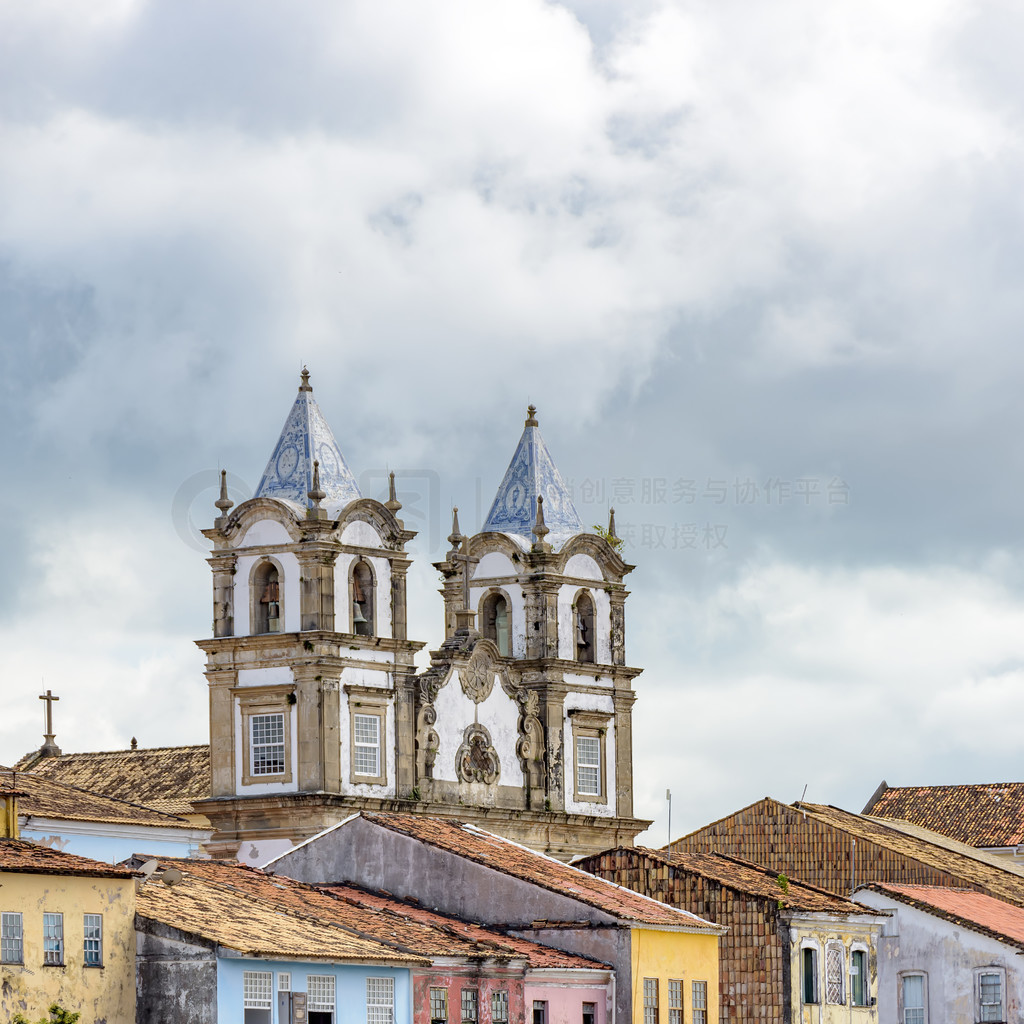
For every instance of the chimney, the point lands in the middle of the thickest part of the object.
(9, 813)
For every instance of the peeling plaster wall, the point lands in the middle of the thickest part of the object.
(176, 977)
(104, 995)
(949, 954)
(265, 532)
(565, 999)
(485, 978)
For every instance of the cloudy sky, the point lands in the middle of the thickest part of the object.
(757, 265)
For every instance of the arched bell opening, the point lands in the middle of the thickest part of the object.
(496, 618)
(363, 589)
(265, 587)
(583, 627)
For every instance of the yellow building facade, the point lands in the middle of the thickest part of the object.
(675, 976)
(67, 934)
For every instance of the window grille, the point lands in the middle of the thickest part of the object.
(11, 948)
(257, 990)
(320, 993)
(92, 927)
(588, 765)
(284, 981)
(470, 1006)
(700, 1002)
(380, 1000)
(53, 938)
(499, 1007)
(367, 745)
(650, 1001)
(267, 744)
(438, 1005)
(990, 994)
(834, 974)
(675, 1002)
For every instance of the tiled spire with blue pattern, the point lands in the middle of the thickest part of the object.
(304, 438)
(532, 472)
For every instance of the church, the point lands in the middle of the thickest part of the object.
(521, 723)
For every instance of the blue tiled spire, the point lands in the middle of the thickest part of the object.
(531, 473)
(305, 437)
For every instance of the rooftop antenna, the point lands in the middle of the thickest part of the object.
(668, 797)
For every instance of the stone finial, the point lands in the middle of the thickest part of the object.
(455, 538)
(135, 743)
(393, 505)
(612, 535)
(531, 416)
(305, 385)
(223, 502)
(316, 494)
(540, 530)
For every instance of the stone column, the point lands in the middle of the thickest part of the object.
(222, 733)
(399, 612)
(223, 594)
(316, 569)
(623, 703)
(618, 627)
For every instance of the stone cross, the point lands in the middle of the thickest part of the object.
(467, 560)
(49, 745)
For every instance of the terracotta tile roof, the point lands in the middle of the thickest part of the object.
(167, 779)
(19, 855)
(485, 942)
(254, 926)
(512, 859)
(972, 909)
(984, 815)
(997, 875)
(754, 880)
(378, 917)
(43, 797)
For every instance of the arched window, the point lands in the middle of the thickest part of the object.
(362, 600)
(583, 615)
(266, 591)
(494, 616)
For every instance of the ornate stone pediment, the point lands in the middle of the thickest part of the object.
(477, 760)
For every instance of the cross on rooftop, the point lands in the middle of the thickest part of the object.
(49, 747)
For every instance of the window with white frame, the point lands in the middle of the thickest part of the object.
(835, 968)
(439, 1006)
(53, 939)
(913, 998)
(859, 987)
(92, 939)
(284, 981)
(257, 996)
(320, 998)
(499, 1006)
(700, 1002)
(366, 745)
(380, 1000)
(989, 984)
(809, 975)
(650, 1001)
(589, 1015)
(12, 949)
(675, 1001)
(267, 744)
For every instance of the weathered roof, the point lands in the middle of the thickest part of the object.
(24, 857)
(43, 797)
(167, 779)
(742, 877)
(382, 918)
(306, 437)
(978, 815)
(252, 925)
(812, 842)
(510, 858)
(532, 472)
(974, 910)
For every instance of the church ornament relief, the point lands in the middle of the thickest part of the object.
(477, 675)
(477, 760)
(530, 745)
(427, 741)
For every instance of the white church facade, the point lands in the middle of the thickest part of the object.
(520, 724)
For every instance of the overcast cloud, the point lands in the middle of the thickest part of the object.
(757, 265)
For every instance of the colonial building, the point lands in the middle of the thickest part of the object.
(521, 723)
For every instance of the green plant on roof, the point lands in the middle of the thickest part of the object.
(602, 532)
(783, 883)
